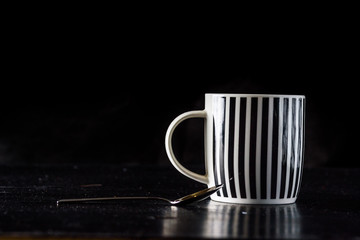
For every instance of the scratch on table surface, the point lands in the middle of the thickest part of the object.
(92, 185)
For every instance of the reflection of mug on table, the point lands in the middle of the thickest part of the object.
(225, 221)
(254, 145)
(246, 221)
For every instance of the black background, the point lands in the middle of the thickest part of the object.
(103, 88)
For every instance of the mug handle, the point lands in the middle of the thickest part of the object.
(169, 150)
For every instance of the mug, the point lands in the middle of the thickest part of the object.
(254, 146)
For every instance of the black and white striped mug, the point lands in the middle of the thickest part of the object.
(254, 146)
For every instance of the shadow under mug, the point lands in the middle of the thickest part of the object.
(254, 146)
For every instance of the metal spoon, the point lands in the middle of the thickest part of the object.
(194, 197)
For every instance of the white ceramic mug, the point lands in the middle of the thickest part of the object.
(254, 145)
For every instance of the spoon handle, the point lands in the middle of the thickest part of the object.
(79, 200)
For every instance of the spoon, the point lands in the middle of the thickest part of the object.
(194, 197)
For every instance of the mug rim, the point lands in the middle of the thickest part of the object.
(254, 95)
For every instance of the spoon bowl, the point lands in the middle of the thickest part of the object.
(194, 197)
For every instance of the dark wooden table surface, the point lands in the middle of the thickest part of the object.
(328, 206)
